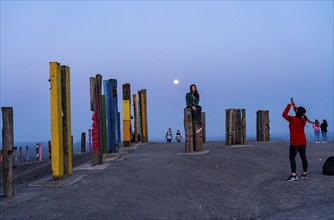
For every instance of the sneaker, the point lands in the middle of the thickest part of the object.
(292, 178)
(305, 176)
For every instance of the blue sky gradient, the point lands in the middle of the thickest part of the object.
(241, 54)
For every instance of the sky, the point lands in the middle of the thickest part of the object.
(252, 55)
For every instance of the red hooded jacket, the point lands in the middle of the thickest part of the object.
(296, 126)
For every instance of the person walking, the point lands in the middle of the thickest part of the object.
(297, 139)
(192, 101)
(324, 131)
(317, 128)
(169, 135)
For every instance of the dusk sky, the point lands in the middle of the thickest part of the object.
(254, 55)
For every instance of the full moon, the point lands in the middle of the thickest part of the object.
(176, 81)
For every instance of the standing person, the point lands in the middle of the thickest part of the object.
(169, 135)
(324, 131)
(297, 139)
(178, 136)
(317, 128)
(192, 100)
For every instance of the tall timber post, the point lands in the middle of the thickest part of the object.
(143, 110)
(57, 153)
(235, 126)
(126, 114)
(135, 112)
(66, 108)
(7, 151)
(262, 125)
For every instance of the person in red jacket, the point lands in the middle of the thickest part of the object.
(297, 139)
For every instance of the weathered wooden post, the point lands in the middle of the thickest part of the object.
(105, 132)
(110, 91)
(83, 142)
(40, 152)
(7, 149)
(14, 156)
(119, 127)
(37, 152)
(57, 152)
(49, 146)
(126, 115)
(89, 140)
(235, 123)
(203, 127)
(21, 155)
(243, 121)
(262, 125)
(96, 103)
(27, 153)
(66, 109)
(143, 110)
(135, 117)
(197, 132)
(114, 117)
(139, 117)
(188, 131)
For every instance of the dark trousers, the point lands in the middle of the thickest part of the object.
(292, 155)
(196, 115)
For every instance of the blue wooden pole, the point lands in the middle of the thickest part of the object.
(114, 116)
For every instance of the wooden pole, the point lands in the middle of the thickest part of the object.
(114, 117)
(104, 109)
(83, 142)
(203, 127)
(97, 150)
(126, 115)
(27, 153)
(139, 118)
(143, 104)
(135, 117)
(243, 122)
(67, 130)
(21, 155)
(188, 131)
(57, 160)
(119, 127)
(7, 150)
(262, 125)
(197, 132)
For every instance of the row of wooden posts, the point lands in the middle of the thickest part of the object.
(235, 128)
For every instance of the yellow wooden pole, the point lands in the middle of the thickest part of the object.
(66, 99)
(57, 162)
(126, 115)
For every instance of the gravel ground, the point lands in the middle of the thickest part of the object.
(159, 181)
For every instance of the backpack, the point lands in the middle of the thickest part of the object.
(328, 167)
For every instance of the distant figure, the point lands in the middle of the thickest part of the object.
(297, 138)
(324, 131)
(192, 100)
(178, 136)
(317, 128)
(169, 135)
